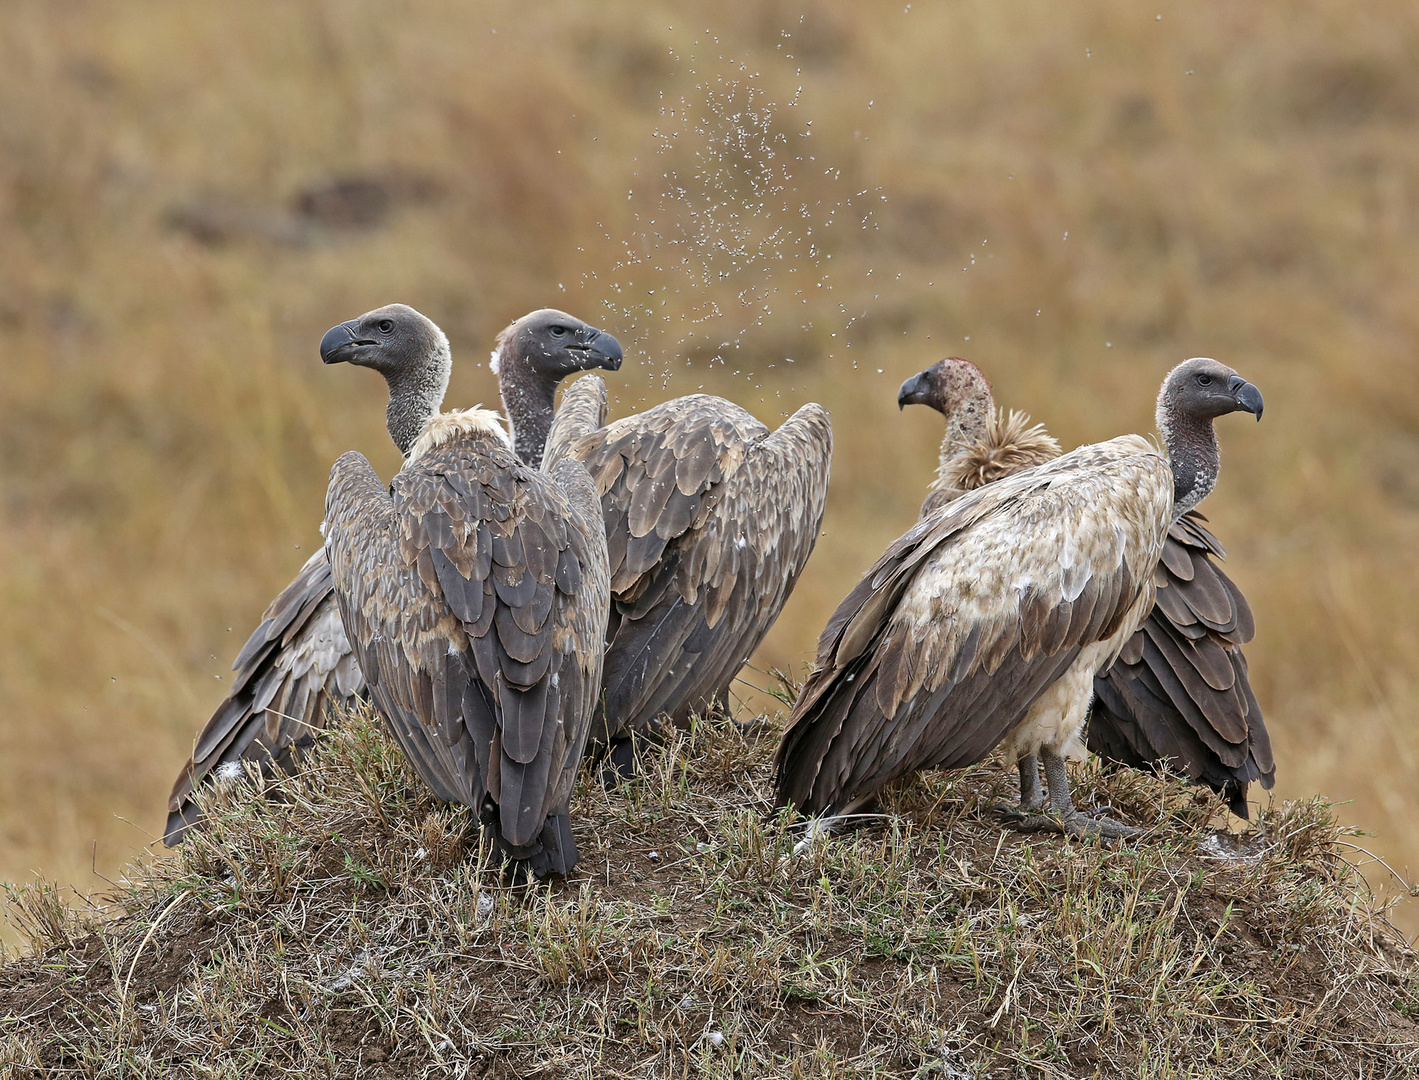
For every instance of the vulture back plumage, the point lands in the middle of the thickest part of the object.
(474, 590)
(297, 670)
(710, 518)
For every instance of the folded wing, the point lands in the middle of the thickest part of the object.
(470, 593)
(1179, 691)
(947, 641)
(296, 667)
(710, 519)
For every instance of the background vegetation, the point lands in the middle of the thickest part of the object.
(1076, 197)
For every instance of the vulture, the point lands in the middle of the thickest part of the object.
(298, 665)
(983, 626)
(710, 518)
(1178, 693)
(474, 590)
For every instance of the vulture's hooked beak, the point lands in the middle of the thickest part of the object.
(1247, 396)
(599, 350)
(337, 342)
(913, 391)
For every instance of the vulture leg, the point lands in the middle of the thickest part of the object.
(1032, 792)
(1061, 814)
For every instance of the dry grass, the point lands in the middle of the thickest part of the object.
(1241, 181)
(346, 925)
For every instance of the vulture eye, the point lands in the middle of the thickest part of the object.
(559, 331)
(385, 326)
(1204, 380)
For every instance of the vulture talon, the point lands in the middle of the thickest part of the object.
(1030, 823)
(1078, 825)
(1098, 811)
(1085, 826)
(1013, 815)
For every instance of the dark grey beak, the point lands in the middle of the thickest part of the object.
(913, 391)
(335, 345)
(599, 350)
(1247, 396)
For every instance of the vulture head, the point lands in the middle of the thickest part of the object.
(958, 391)
(533, 355)
(1194, 394)
(979, 445)
(391, 339)
(553, 345)
(409, 351)
(946, 386)
(1203, 389)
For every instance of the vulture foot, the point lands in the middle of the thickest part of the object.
(1060, 814)
(1078, 825)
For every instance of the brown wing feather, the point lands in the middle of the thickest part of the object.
(1179, 692)
(483, 660)
(710, 519)
(295, 669)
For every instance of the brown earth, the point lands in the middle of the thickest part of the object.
(352, 930)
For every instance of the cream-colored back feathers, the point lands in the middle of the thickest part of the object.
(1009, 443)
(448, 426)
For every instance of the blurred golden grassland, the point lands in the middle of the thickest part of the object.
(1076, 197)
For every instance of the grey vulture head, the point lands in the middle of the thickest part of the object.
(554, 345)
(1194, 394)
(391, 339)
(412, 354)
(1205, 389)
(980, 444)
(533, 355)
(945, 386)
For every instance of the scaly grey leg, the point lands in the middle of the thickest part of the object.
(1032, 792)
(1061, 815)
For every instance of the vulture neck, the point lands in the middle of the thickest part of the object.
(415, 396)
(967, 428)
(1193, 454)
(1005, 446)
(528, 398)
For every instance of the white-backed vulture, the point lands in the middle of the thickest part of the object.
(984, 625)
(710, 518)
(1178, 693)
(474, 591)
(297, 667)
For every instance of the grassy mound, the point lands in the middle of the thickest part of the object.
(346, 925)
